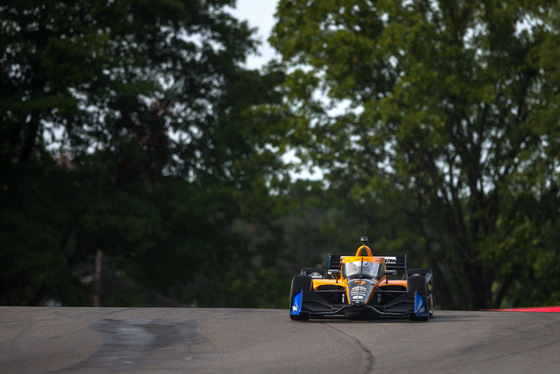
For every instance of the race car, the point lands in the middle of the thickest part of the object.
(360, 286)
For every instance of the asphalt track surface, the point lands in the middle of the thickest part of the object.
(169, 340)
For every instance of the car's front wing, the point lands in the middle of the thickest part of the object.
(315, 306)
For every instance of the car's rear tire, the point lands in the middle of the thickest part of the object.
(417, 283)
(419, 271)
(299, 283)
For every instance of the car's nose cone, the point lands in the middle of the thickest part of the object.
(358, 303)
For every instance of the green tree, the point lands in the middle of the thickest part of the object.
(126, 127)
(438, 122)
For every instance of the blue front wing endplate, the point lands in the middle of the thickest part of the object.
(296, 304)
(420, 309)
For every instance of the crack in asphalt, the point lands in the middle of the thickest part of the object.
(368, 354)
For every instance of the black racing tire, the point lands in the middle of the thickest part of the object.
(419, 271)
(309, 271)
(299, 283)
(418, 283)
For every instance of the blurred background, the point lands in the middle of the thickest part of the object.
(150, 157)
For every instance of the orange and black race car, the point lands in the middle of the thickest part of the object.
(360, 287)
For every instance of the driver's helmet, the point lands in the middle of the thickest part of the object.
(367, 269)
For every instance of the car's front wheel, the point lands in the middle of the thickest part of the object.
(429, 284)
(418, 285)
(301, 286)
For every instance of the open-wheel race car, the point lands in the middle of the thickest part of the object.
(359, 286)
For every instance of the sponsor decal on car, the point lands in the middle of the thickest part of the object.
(358, 293)
(391, 260)
(316, 275)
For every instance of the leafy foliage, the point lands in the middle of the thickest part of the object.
(130, 128)
(444, 136)
(126, 127)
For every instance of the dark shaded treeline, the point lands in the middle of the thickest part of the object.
(133, 139)
(124, 131)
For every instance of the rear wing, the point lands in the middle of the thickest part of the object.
(395, 262)
(334, 262)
